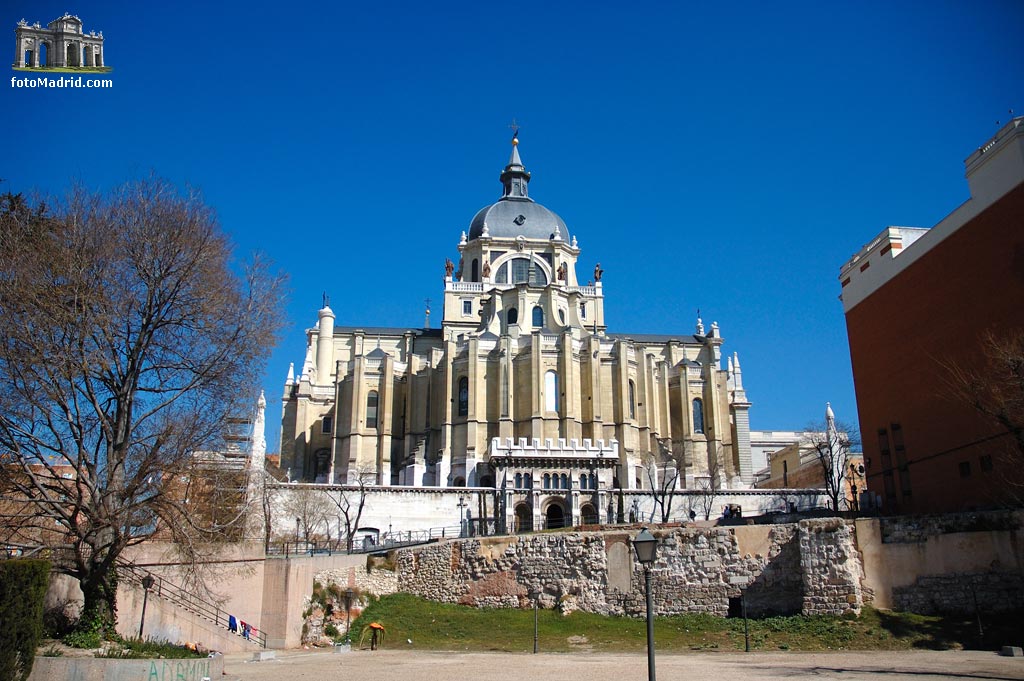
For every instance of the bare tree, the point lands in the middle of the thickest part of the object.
(831, 442)
(349, 502)
(127, 337)
(708, 486)
(311, 511)
(997, 389)
(663, 478)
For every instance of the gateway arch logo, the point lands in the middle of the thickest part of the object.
(61, 46)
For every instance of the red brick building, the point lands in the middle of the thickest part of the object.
(919, 303)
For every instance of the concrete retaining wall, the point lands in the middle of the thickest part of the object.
(93, 669)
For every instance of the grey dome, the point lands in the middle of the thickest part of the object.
(509, 218)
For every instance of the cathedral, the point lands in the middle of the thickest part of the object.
(522, 390)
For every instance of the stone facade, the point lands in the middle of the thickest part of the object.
(831, 566)
(778, 569)
(523, 389)
(66, 45)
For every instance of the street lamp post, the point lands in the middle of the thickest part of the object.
(536, 632)
(147, 584)
(646, 547)
(348, 615)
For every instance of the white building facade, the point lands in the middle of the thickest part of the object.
(523, 390)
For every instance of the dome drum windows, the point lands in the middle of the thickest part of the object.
(517, 270)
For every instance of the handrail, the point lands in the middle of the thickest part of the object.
(372, 544)
(172, 593)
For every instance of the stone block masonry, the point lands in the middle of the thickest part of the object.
(698, 570)
(831, 566)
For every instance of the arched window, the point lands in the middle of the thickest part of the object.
(565, 481)
(593, 481)
(538, 316)
(561, 316)
(528, 481)
(583, 481)
(632, 400)
(547, 481)
(474, 270)
(521, 273)
(371, 409)
(512, 316)
(463, 396)
(519, 480)
(551, 391)
(698, 415)
(325, 427)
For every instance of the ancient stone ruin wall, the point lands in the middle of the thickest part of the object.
(698, 570)
(962, 593)
(957, 563)
(831, 566)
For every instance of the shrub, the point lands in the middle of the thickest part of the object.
(22, 590)
(136, 649)
(331, 630)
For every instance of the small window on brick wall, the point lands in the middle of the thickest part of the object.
(965, 469)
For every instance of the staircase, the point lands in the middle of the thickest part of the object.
(176, 595)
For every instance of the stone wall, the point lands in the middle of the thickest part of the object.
(831, 566)
(910, 529)
(987, 592)
(698, 570)
(378, 581)
(951, 563)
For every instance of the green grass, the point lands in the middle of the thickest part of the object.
(441, 626)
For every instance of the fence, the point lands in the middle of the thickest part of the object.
(174, 594)
(373, 543)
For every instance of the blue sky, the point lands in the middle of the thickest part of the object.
(722, 156)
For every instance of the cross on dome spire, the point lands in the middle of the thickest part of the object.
(515, 177)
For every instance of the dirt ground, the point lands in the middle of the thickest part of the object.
(414, 665)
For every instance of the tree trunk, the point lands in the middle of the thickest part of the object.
(99, 613)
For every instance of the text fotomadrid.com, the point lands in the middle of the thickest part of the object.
(62, 82)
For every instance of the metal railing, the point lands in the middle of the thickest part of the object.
(176, 595)
(370, 543)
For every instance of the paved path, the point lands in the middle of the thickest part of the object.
(412, 665)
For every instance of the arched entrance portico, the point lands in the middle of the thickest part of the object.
(524, 517)
(588, 514)
(555, 516)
